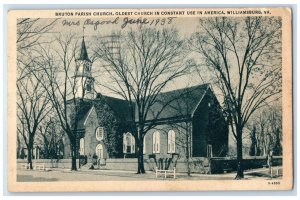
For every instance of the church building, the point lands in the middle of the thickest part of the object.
(191, 123)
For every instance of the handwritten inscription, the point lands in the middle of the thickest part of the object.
(124, 22)
(151, 22)
(70, 23)
(96, 23)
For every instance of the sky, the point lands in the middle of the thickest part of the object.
(95, 27)
(185, 26)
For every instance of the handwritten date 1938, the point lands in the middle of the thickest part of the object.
(146, 21)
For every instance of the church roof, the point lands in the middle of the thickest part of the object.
(83, 52)
(169, 105)
(120, 107)
(177, 103)
(84, 107)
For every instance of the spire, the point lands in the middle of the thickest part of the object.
(83, 52)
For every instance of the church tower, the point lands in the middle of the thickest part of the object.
(83, 79)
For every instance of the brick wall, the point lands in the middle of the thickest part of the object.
(180, 142)
(219, 165)
(90, 139)
(197, 165)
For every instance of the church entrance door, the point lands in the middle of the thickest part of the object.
(99, 151)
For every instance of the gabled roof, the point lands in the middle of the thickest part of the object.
(173, 104)
(177, 103)
(83, 112)
(120, 107)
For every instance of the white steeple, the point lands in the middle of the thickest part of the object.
(84, 81)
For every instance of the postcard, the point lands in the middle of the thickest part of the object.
(196, 99)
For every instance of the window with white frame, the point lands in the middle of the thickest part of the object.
(171, 141)
(128, 143)
(81, 146)
(156, 142)
(100, 133)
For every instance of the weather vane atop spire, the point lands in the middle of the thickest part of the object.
(83, 31)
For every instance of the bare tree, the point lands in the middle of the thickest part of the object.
(269, 132)
(33, 104)
(244, 54)
(262, 124)
(140, 67)
(57, 76)
(30, 32)
(254, 151)
(276, 125)
(51, 137)
(19, 144)
(33, 107)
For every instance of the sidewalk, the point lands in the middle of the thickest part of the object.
(59, 174)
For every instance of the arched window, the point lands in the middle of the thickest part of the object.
(99, 151)
(81, 146)
(100, 133)
(171, 141)
(156, 142)
(87, 67)
(88, 87)
(128, 143)
(209, 151)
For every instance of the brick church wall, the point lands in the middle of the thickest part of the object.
(90, 139)
(163, 130)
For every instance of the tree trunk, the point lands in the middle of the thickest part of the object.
(141, 169)
(188, 151)
(30, 147)
(74, 168)
(239, 142)
(74, 154)
(29, 158)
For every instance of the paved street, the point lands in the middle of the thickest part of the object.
(111, 175)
